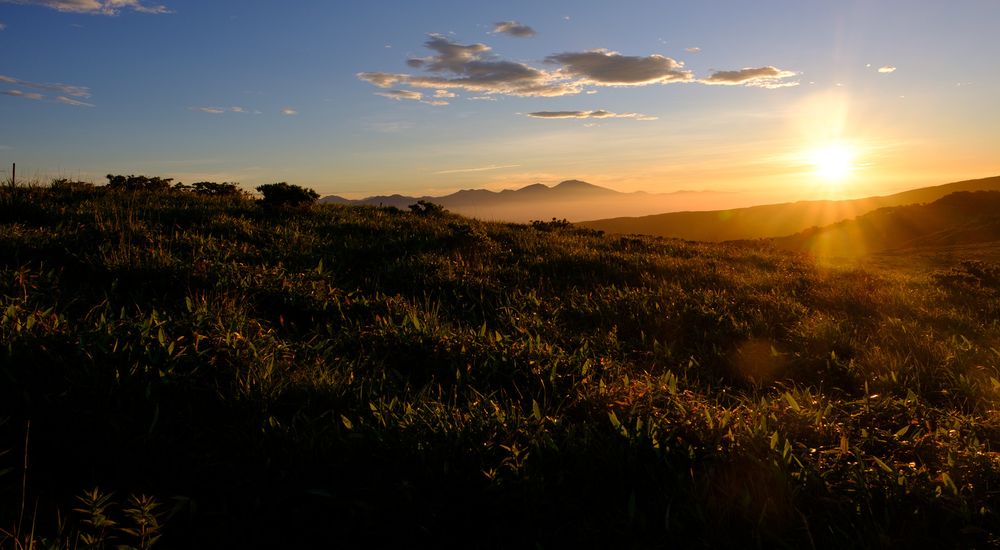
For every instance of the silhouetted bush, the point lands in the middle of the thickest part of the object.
(425, 208)
(284, 194)
(212, 189)
(138, 183)
(551, 225)
(67, 185)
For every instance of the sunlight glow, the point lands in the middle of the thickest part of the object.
(834, 162)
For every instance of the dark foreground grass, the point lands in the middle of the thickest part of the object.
(367, 377)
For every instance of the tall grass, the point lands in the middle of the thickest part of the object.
(359, 374)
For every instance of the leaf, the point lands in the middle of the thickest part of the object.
(536, 410)
(346, 422)
(792, 402)
(883, 465)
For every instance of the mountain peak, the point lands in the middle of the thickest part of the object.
(575, 184)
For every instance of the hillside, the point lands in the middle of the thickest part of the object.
(571, 199)
(956, 219)
(775, 220)
(341, 376)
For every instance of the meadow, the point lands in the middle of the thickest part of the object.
(180, 370)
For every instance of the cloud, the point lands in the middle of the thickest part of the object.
(19, 93)
(473, 68)
(64, 93)
(608, 68)
(694, 49)
(289, 112)
(3, 26)
(589, 114)
(479, 169)
(513, 28)
(401, 94)
(222, 110)
(62, 89)
(74, 102)
(887, 69)
(760, 77)
(96, 7)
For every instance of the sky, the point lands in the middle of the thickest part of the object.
(766, 100)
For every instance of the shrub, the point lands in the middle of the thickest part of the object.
(284, 194)
(212, 189)
(69, 186)
(138, 183)
(426, 208)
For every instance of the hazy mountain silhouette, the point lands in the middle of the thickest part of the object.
(956, 219)
(571, 199)
(776, 220)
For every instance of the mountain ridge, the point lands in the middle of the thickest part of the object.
(570, 199)
(776, 220)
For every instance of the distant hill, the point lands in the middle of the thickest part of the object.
(775, 220)
(571, 199)
(959, 218)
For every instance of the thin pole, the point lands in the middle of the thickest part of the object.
(13, 174)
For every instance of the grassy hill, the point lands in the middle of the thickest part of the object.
(957, 219)
(361, 376)
(775, 220)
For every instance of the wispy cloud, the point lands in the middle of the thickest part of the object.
(96, 7)
(411, 95)
(478, 169)
(760, 77)
(289, 112)
(19, 93)
(62, 93)
(399, 95)
(3, 26)
(694, 49)
(74, 102)
(589, 114)
(64, 89)
(223, 110)
(513, 28)
(887, 69)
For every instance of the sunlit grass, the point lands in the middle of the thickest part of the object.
(364, 374)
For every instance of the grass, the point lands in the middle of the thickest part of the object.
(361, 375)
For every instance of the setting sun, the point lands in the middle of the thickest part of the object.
(833, 163)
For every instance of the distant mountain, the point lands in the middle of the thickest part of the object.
(775, 220)
(959, 218)
(571, 199)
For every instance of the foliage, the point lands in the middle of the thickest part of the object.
(427, 208)
(555, 224)
(138, 183)
(284, 194)
(367, 376)
(213, 189)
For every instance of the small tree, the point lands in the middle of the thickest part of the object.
(212, 189)
(284, 194)
(427, 208)
(138, 183)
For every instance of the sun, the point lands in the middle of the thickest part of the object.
(834, 162)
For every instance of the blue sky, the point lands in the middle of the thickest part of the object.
(659, 96)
